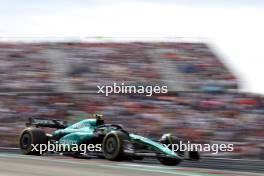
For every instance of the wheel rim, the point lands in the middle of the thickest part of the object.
(111, 145)
(25, 141)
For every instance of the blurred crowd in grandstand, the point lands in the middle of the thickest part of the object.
(209, 113)
(38, 67)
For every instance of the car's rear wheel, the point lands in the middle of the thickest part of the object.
(30, 137)
(112, 146)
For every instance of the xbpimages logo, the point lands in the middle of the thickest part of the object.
(131, 89)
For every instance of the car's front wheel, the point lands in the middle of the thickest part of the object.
(169, 161)
(112, 146)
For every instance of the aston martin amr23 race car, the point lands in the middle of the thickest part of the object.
(116, 143)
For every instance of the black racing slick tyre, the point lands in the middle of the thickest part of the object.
(169, 139)
(113, 145)
(30, 140)
(169, 161)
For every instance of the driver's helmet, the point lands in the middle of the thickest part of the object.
(99, 119)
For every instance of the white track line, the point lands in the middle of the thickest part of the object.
(9, 148)
(136, 167)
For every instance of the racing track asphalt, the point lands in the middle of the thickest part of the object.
(15, 164)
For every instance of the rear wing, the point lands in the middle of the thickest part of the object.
(50, 123)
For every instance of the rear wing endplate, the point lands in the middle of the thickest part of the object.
(50, 123)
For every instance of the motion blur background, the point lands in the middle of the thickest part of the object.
(50, 67)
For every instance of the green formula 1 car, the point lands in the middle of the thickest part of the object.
(108, 141)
